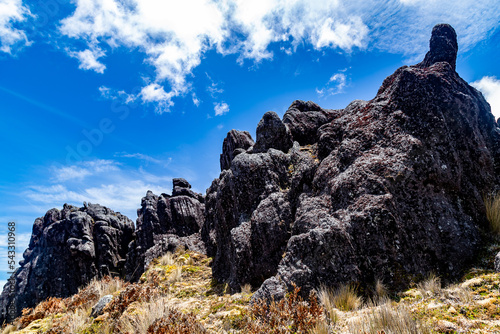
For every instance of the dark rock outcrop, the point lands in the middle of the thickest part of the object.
(67, 249)
(443, 46)
(165, 222)
(272, 133)
(387, 189)
(305, 118)
(236, 142)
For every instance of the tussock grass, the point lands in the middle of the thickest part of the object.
(176, 275)
(9, 329)
(345, 298)
(387, 318)
(492, 204)
(76, 321)
(144, 316)
(326, 298)
(246, 289)
(381, 291)
(167, 260)
(430, 286)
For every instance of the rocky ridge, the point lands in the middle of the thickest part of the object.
(389, 189)
(68, 248)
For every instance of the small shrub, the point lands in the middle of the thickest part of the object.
(492, 204)
(49, 306)
(290, 315)
(387, 319)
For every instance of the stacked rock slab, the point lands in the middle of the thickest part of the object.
(164, 223)
(67, 249)
(387, 189)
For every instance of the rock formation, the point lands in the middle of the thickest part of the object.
(67, 249)
(387, 189)
(165, 222)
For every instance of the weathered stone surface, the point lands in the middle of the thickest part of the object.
(165, 222)
(100, 305)
(304, 119)
(236, 142)
(390, 188)
(497, 262)
(67, 249)
(272, 133)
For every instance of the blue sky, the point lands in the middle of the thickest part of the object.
(101, 100)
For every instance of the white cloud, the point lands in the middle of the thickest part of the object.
(89, 59)
(11, 12)
(155, 93)
(82, 170)
(196, 100)
(335, 84)
(106, 182)
(343, 35)
(221, 108)
(490, 87)
(174, 36)
(124, 196)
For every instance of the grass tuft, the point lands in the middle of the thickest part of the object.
(387, 318)
(431, 286)
(492, 204)
(346, 298)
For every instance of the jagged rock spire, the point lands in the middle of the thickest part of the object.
(443, 46)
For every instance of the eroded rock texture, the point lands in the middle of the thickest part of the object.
(165, 222)
(387, 189)
(67, 249)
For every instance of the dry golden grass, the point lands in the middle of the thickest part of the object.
(430, 286)
(166, 260)
(246, 289)
(198, 304)
(345, 298)
(387, 318)
(144, 316)
(492, 204)
(9, 329)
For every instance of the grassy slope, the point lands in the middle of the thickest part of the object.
(183, 282)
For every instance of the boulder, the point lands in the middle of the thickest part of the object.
(98, 308)
(304, 119)
(272, 133)
(236, 142)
